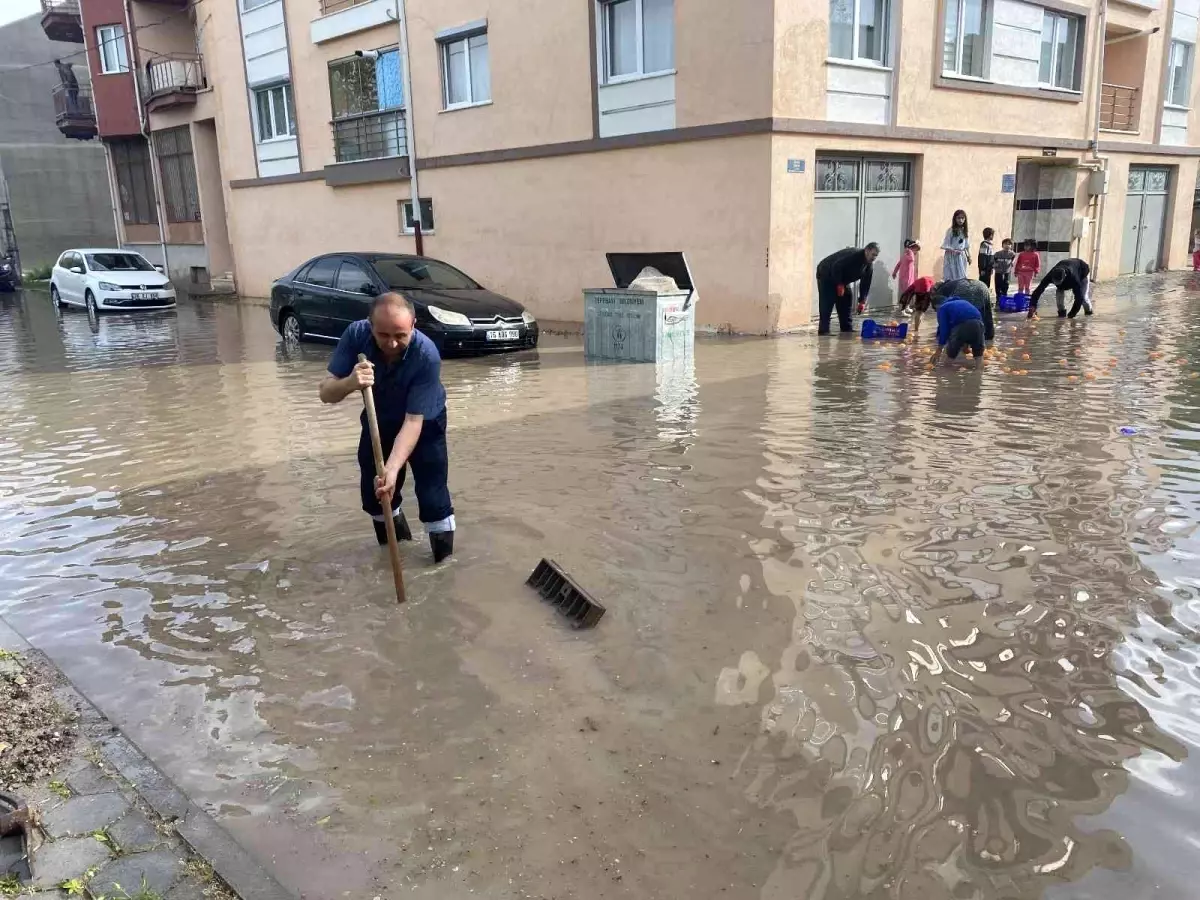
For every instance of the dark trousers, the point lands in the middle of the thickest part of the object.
(1001, 285)
(430, 464)
(828, 299)
(985, 275)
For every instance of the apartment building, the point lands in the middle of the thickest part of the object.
(755, 136)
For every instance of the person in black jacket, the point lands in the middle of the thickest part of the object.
(835, 274)
(1068, 274)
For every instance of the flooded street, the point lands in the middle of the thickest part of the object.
(872, 631)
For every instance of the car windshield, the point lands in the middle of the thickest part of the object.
(117, 262)
(410, 272)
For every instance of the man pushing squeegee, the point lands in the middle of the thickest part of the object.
(403, 423)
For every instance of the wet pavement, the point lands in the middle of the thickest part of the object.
(873, 632)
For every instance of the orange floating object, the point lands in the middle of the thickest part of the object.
(1020, 342)
(1072, 378)
(1063, 361)
(1024, 356)
(1090, 376)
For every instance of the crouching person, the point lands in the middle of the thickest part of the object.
(960, 325)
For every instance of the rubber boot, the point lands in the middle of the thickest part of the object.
(403, 532)
(442, 544)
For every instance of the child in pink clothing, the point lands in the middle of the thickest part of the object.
(1028, 264)
(905, 272)
(1196, 250)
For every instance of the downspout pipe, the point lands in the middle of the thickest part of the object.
(410, 123)
(1095, 143)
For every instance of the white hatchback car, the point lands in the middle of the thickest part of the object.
(100, 280)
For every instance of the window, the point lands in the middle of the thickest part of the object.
(131, 160)
(322, 272)
(411, 272)
(276, 112)
(406, 216)
(1060, 51)
(637, 38)
(367, 99)
(248, 5)
(1179, 68)
(113, 51)
(351, 278)
(858, 29)
(178, 172)
(967, 35)
(466, 71)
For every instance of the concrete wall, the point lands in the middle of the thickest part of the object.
(538, 230)
(58, 187)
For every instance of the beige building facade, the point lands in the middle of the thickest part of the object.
(755, 136)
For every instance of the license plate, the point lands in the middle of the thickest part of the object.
(510, 335)
(141, 295)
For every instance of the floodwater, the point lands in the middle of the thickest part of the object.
(872, 632)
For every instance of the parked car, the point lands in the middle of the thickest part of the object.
(321, 297)
(101, 280)
(10, 278)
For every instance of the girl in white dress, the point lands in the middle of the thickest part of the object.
(957, 247)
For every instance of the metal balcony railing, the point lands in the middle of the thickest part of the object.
(370, 136)
(74, 113)
(178, 72)
(64, 7)
(1120, 107)
(332, 6)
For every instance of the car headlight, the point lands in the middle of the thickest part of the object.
(527, 318)
(446, 317)
(109, 286)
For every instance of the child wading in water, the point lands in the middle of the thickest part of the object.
(957, 247)
(1029, 263)
(905, 272)
(1003, 265)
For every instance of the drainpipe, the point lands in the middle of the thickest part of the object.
(411, 134)
(144, 123)
(112, 187)
(1101, 203)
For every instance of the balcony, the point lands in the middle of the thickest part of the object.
(61, 21)
(172, 81)
(74, 113)
(1120, 107)
(375, 135)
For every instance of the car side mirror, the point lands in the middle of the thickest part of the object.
(369, 289)
(160, 270)
(77, 270)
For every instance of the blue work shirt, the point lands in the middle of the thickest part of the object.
(952, 313)
(410, 386)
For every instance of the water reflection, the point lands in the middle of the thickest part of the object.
(873, 632)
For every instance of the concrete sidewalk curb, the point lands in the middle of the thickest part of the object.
(233, 864)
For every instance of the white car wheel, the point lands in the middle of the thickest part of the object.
(90, 303)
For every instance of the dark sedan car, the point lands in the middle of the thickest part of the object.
(321, 297)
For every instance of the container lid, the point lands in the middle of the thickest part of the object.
(626, 267)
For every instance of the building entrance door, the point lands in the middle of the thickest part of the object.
(1145, 218)
(860, 199)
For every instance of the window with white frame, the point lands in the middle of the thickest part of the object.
(407, 226)
(1061, 51)
(112, 49)
(275, 111)
(1179, 74)
(248, 5)
(967, 35)
(858, 30)
(466, 71)
(637, 38)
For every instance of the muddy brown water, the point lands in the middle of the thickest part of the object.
(872, 632)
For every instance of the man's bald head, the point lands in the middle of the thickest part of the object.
(393, 321)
